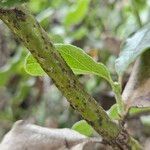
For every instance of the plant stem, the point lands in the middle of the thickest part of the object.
(24, 25)
(117, 91)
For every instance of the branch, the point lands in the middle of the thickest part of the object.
(24, 25)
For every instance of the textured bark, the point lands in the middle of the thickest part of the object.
(24, 25)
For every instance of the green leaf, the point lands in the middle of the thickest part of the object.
(81, 63)
(12, 67)
(114, 115)
(56, 38)
(83, 127)
(77, 12)
(113, 112)
(10, 3)
(76, 58)
(6, 115)
(137, 110)
(32, 67)
(133, 48)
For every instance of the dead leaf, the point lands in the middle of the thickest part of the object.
(137, 90)
(147, 144)
(25, 136)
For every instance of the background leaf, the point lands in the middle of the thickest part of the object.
(133, 48)
(77, 12)
(10, 3)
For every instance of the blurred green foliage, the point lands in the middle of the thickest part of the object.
(96, 26)
(11, 3)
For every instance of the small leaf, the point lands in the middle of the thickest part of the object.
(133, 48)
(113, 112)
(83, 127)
(77, 12)
(32, 66)
(137, 110)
